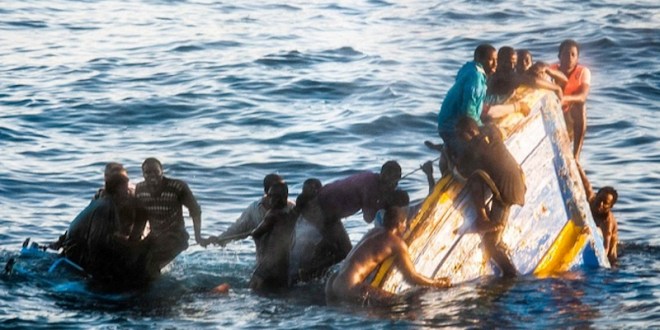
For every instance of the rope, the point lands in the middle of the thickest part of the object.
(419, 168)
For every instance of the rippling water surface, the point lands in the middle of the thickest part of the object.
(226, 92)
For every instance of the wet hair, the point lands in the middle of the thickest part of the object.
(567, 44)
(504, 55)
(391, 166)
(151, 160)
(314, 183)
(115, 183)
(306, 195)
(482, 51)
(393, 215)
(609, 190)
(399, 198)
(537, 69)
(282, 188)
(112, 167)
(522, 53)
(271, 179)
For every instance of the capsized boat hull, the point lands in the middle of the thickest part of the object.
(552, 233)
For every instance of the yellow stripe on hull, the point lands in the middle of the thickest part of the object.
(552, 233)
(564, 250)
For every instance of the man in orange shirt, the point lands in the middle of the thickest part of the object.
(575, 80)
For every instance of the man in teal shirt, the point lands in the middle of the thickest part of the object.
(466, 97)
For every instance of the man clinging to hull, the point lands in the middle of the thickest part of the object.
(487, 163)
(601, 204)
(349, 283)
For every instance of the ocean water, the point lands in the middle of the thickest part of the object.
(224, 92)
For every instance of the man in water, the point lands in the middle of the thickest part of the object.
(485, 160)
(601, 204)
(164, 198)
(349, 282)
(251, 216)
(273, 240)
(366, 191)
(104, 239)
(112, 169)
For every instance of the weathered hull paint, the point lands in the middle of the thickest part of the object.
(552, 233)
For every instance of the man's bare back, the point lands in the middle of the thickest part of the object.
(377, 245)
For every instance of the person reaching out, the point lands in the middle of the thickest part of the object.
(349, 283)
(251, 216)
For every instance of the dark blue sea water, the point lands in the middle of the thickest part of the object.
(224, 92)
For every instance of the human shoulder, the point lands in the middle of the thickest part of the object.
(177, 183)
(472, 70)
(585, 75)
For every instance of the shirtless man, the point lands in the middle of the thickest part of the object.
(348, 283)
(366, 191)
(164, 199)
(273, 240)
(601, 204)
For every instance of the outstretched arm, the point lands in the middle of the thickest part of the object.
(140, 222)
(542, 83)
(556, 75)
(244, 225)
(408, 269)
(427, 168)
(588, 189)
(190, 202)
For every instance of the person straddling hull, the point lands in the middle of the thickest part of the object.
(349, 284)
(487, 162)
(111, 169)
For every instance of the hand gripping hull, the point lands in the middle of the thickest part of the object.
(552, 233)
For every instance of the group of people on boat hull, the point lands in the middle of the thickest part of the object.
(128, 234)
(472, 143)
